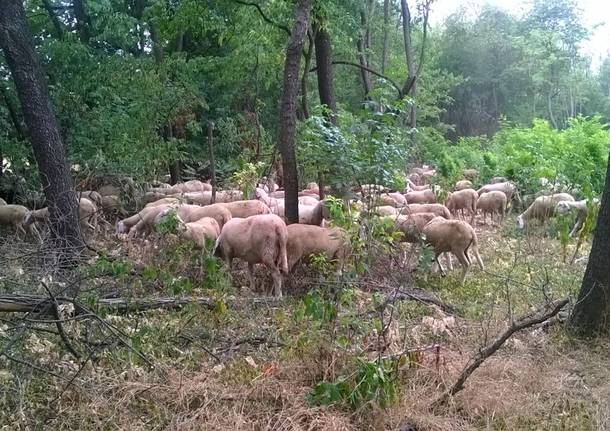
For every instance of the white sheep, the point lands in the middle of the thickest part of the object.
(582, 210)
(305, 240)
(463, 200)
(412, 226)
(87, 213)
(164, 201)
(439, 209)
(141, 222)
(421, 197)
(453, 236)
(493, 202)
(470, 174)
(462, 185)
(256, 239)
(412, 187)
(247, 208)
(2, 202)
(192, 213)
(15, 216)
(308, 214)
(542, 208)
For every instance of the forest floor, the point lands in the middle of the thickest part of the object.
(312, 360)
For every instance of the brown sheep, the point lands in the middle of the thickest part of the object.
(493, 202)
(439, 209)
(422, 197)
(304, 240)
(16, 216)
(256, 239)
(247, 208)
(453, 236)
(462, 185)
(463, 200)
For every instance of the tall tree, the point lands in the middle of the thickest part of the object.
(406, 33)
(18, 47)
(288, 108)
(591, 313)
(386, 34)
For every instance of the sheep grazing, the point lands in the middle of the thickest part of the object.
(399, 198)
(143, 220)
(108, 190)
(422, 197)
(462, 185)
(15, 216)
(308, 214)
(412, 187)
(163, 201)
(247, 208)
(463, 200)
(187, 187)
(439, 209)
(150, 197)
(470, 174)
(305, 240)
(308, 200)
(87, 213)
(582, 211)
(412, 226)
(256, 239)
(197, 231)
(493, 202)
(453, 236)
(507, 187)
(542, 209)
(111, 205)
(386, 211)
(191, 213)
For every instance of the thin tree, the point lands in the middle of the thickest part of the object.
(288, 108)
(18, 46)
(591, 314)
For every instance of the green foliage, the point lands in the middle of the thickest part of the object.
(372, 382)
(247, 178)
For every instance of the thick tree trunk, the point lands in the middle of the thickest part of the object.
(288, 108)
(17, 44)
(406, 33)
(591, 314)
(386, 31)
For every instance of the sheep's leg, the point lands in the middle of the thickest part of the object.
(440, 266)
(251, 276)
(449, 261)
(277, 282)
(461, 257)
(475, 250)
(577, 227)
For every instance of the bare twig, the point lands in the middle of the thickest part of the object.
(488, 350)
(264, 16)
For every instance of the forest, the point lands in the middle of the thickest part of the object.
(273, 215)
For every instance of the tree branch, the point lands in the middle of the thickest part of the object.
(265, 17)
(488, 350)
(368, 69)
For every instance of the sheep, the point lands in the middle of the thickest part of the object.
(144, 220)
(87, 213)
(2, 202)
(453, 236)
(398, 198)
(189, 186)
(412, 226)
(111, 204)
(205, 198)
(313, 186)
(367, 189)
(192, 213)
(308, 200)
(304, 240)
(542, 208)
(16, 216)
(493, 202)
(462, 185)
(163, 201)
(307, 214)
(247, 208)
(582, 210)
(507, 187)
(197, 231)
(281, 194)
(150, 197)
(439, 209)
(256, 239)
(470, 174)
(411, 187)
(109, 189)
(422, 197)
(386, 211)
(92, 195)
(414, 178)
(463, 200)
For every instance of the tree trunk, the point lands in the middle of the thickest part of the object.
(82, 21)
(18, 46)
(362, 57)
(212, 159)
(157, 48)
(308, 54)
(386, 30)
(406, 33)
(591, 314)
(550, 107)
(288, 109)
(326, 86)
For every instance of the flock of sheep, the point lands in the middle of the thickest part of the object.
(254, 229)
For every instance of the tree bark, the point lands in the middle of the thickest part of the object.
(591, 314)
(212, 159)
(307, 55)
(18, 46)
(288, 109)
(406, 33)
(361, 44)
(157, 48)
(386, 30)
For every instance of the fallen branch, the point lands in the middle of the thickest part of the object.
(475, 362)
(405, 294)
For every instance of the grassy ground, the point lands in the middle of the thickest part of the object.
(311, 361)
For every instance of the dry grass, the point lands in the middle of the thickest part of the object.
(252, 367)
